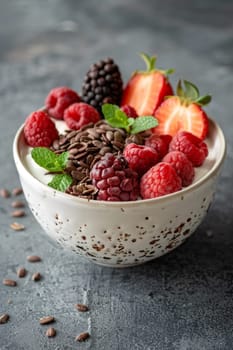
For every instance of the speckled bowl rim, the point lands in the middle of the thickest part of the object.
(26, 174)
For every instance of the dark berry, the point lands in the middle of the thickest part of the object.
(102, 84)
(114, 180)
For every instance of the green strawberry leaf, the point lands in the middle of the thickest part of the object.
(60, 182)
(149, 60)
(203, 100)
(143, 123)
(115, 116)
(169, 71)
(191, 91)
(179, 90)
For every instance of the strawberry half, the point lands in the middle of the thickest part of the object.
(146, 90)
(183, 112)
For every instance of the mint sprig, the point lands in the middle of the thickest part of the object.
(60, 182)
(118, 119)
(53, 163)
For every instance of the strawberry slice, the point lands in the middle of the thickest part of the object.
(146, 90)
(183, 112)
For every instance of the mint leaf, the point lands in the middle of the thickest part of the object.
(45, 158)
(62, 159)
(48, 160)
(130, 121)
(115, 116)
(118, 119)
(60, 182)
(143, 123)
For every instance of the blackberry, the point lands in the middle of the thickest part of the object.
(102, 84)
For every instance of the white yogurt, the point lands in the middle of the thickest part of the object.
(40, 173)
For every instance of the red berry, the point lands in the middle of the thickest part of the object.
(182, 166)
(129, 111)
(114, 180)
(80, 114)
(59, 99)
(40, 130)
(140, 158)
(159, 143)
(159, 180)
(146, 90)
(194, 148)
(183, 113)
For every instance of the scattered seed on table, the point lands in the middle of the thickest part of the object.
(4, 193)
(9, 283)
(4, 318)
(18, 213)
(16, 191)
(81, 307)
(21, 272)
(17, 227)
(82, 336)
(33, 258)
(36, 276)
(51, 332)
(47, 320)
(209, 233)
(17, 204)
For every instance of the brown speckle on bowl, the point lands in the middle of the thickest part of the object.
(179, 228)
(98, 247)
(186, 232)
(154, 241)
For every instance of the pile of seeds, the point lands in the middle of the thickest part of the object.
(86, 146)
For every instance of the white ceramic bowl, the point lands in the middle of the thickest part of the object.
(121, 234)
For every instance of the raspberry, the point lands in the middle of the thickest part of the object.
(182, 166)
(59, 99)
(194, 148)
(159, 180)
(114, 180)
(129, 111)
(40, 130)
(140, 158)
(80, 114)
(159, 143)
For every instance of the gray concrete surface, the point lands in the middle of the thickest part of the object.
(182, 301)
